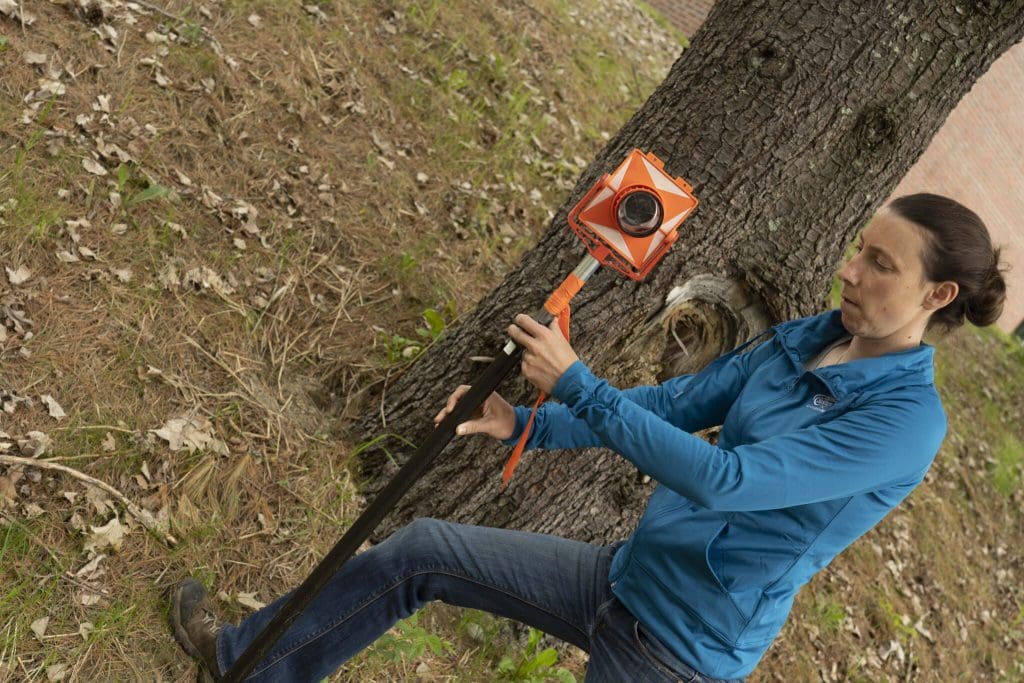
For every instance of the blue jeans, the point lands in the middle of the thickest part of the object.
(553, 584)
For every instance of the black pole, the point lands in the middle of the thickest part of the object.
(388, 497)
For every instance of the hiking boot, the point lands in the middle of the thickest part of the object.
(195, 624)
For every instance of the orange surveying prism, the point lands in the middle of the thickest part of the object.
(630, 218)
(627, 221)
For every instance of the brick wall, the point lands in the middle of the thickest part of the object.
(977, 157)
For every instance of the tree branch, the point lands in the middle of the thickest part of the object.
(144, 517)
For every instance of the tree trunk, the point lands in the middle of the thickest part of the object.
(793, 121)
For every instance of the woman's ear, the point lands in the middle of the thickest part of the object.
(941, 295)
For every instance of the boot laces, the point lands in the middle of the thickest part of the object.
(210, 621)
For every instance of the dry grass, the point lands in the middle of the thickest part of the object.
(302, 141)
(288, 166)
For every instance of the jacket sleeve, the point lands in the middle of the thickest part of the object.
(883, 443)
(688, 402)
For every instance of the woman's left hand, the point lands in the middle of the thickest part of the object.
(546, 353)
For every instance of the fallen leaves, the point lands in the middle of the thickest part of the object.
(94, 167)
(52, 407)
(34, 444)
(243, 598)
(190, 433)
(13, 9)
(205, 278)
(18, 276)
(39, 627)
(110, 535)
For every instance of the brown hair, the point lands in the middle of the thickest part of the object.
(958, 248)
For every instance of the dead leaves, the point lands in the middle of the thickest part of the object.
(14, 10)
(190, 433)
(18, 276)
(110, 535)
(54, 408)
(94, 167)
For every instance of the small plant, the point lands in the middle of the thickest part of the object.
(435, 325)
(398, 348)
(3, 44)
(407, 264)
(148, 190)
(533, 666)
(830, 612)
(190, 31)
(899, 623)
(411, 641)
(376, 443)
(457, 80)
(1007, 471)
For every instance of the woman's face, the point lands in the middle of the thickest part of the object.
(885, 294)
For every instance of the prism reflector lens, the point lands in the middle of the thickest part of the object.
(639, 213)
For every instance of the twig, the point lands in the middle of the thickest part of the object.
(143, 516)
(107, 427)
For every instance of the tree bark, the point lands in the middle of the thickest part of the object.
(793, 121)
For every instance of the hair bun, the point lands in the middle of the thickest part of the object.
(985, 307)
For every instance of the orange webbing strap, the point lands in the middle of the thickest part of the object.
(558, 306)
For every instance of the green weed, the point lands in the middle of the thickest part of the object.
(899, 624)
(410, 642)
(532, 666)
(1006, 474)
(141, 188)
(423, 15)
(3, 44)
(400, 349)
(376, 442)
(830, 612)
(114, 622)
(457, 80)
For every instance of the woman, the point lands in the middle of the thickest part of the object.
(826, 426)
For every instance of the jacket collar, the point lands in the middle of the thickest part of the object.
(805, 337)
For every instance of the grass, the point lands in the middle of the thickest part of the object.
(830, 612)
(499, 108)
(1009, 461)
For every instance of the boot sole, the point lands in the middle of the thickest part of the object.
(179, 631)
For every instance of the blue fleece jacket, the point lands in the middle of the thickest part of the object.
(807, 461)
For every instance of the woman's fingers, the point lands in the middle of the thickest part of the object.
(472, 427)
(526, 331)
(449, 405)
(495, 417)
(459, 392)
(519, 336)
(529, 324)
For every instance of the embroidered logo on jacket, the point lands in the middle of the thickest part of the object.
(822, 402)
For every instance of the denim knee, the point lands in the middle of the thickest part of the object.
(419, 542)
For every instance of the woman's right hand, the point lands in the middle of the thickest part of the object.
(495, 417)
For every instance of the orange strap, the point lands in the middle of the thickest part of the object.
(558, 306)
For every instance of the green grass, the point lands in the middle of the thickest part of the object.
(1006, 475)
(830, 612)
(895, 622)
(31, 579)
